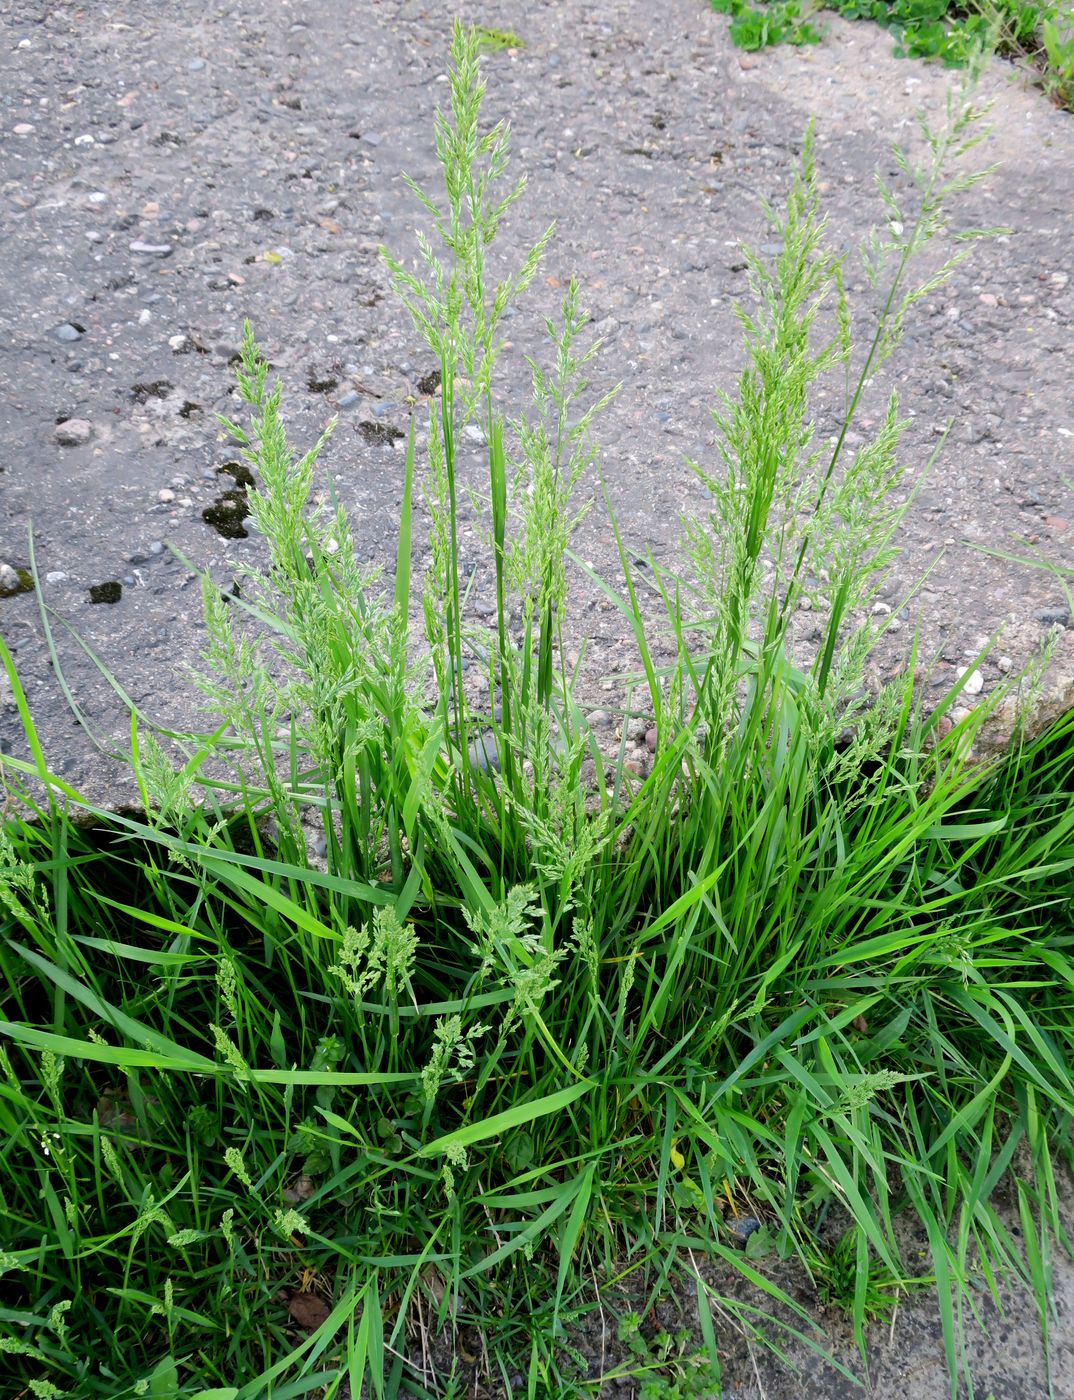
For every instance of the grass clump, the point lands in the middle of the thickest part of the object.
(535, 1034)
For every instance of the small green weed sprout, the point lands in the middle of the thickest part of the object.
(848, 1279)
(665, 1367)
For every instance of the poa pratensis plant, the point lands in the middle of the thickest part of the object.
(519, 1045)
(691, 910)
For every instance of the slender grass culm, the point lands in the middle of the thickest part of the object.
(404, 1036)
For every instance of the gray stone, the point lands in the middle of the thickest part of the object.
(483, 753)
(743, 1226)
(160, 250)
(1052, 617)
(73, 432)
(68, 332)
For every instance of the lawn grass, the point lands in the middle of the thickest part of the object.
(535, 1025)
(1037, 35)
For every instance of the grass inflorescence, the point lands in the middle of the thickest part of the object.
(538, 1036)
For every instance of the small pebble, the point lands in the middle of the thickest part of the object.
(196, 65)
(84, 140)
(1005, 663)
(350, 398)
(22, 128)
(9, 579)
(158, 249)
(97, 197)
(145, 316)
(650, 740)
(598, 719)
(974, 681)
(165, 495)
(73, 432)
(743, 1226)
(156, 547)
(55, 576)
(67, 332)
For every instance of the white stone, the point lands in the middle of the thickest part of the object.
(974, 681)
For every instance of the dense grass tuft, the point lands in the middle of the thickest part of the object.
(535, 1025)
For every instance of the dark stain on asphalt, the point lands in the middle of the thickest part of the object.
(380, 434)
(231, 507)
(108, 592)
